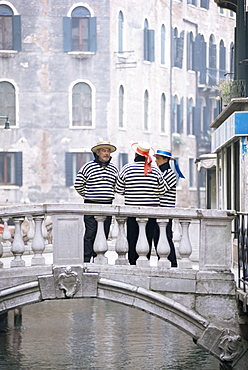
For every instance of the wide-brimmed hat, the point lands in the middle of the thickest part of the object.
(103, 144)
(143, 148)
(164, 153)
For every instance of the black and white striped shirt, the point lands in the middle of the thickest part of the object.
(140, 190)
(169, 198)
(96, 183)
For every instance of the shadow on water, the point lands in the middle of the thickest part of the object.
(94, 334)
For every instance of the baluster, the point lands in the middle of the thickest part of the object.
(38, 244)
(163, 248)
(176, 236)
(18, 247)
(100, 245)
(6, 233)
(142, 246)
(185, 248)
(121, 245)
(30, 233)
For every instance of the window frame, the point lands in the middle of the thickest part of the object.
(16, 34)
(93, 92)
(92, 31)
(8, 110)
(16, 168)
(72, 166)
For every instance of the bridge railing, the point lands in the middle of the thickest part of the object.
(241, 233)
(214, 226)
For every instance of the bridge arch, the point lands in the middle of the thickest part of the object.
(204, 333)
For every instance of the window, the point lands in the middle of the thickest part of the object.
(123, 159)
(162, 61)
(204, 4)
(8, 102)
(162, 126)
(200, 58)
(212, 62)
(121, 106)
(11, 168)
(222, 60)
(81, 105)
(10, 29)
(177, 48)
(73, 163)
(120, 32)
(190, 51)
(148, 43)
(80, 31)
(146, 110)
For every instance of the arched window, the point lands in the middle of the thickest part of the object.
(162, 44)
(80, 31)
(8, 102)
(10, 29)
(222, 61)
(120, 32)
(163, 101)
(177, 48)
(177, 115)
(146, 111)
(212, 62)
(121, 106)
(81, 105)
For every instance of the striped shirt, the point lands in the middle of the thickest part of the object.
(140, 190)
(96, 183)
(169, 199)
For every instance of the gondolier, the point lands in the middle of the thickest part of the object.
(95, 182)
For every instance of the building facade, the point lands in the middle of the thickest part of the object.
(75, 73)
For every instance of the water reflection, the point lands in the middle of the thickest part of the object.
(95, 334)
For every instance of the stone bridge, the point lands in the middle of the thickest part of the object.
(199, 297)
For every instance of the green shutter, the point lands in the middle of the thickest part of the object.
(68, 169)
(151, 45)
(18, 168)
(67, 33)
(17, 33)
(92, 34)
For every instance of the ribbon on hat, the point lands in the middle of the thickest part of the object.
(148, 164)
(178, 169)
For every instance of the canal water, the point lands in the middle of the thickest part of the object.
(95, 334)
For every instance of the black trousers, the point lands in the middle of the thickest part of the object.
(153, 232)
(90, 234)
(132, 237)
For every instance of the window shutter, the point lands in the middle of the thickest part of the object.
(67, 33)
(92, 34)
(17, 33)
(197, 118)
(18, 168)
(197, 53)
(151, 45)
(68, 169)
(180, 49)
(146, 44)
(180, 117)
(203, 71)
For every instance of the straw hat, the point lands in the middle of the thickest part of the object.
(164, 153)
(142, 148)
(103, 144)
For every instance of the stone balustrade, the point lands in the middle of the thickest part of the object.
(213, 230)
